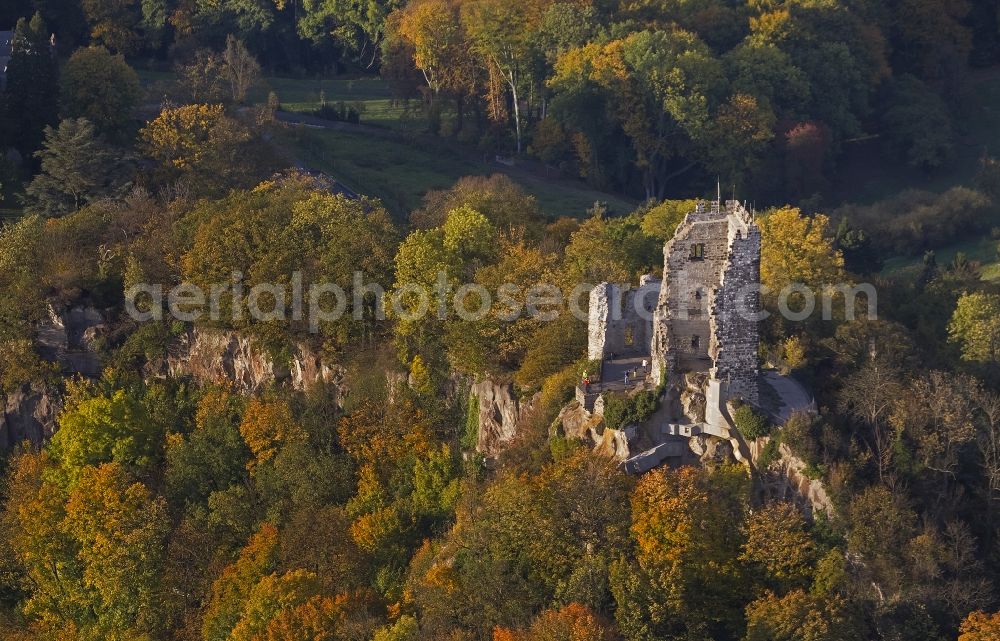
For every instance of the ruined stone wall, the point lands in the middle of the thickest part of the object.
(682, 326)
(736, 305)
(713, 256)
(621, 320)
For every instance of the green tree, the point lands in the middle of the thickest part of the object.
(100, 87)
(78, 168)
(357, 26)
(32, 91)
(104, 429)
(661, 87)
(975, 326)
(917, 124)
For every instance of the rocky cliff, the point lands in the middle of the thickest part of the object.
(28, 414)
(226, 357)
(784, 478)
(499, 413)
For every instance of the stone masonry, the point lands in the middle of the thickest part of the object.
(620, 319)
(706, 317)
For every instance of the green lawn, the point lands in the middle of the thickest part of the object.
(400, 172)
(370, 95)
(983, 250)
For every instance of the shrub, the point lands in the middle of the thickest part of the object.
(768, 455)
(470, 436)
(751, 424)
(340, 112)
(621, 411)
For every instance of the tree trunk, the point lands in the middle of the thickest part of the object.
(517, 112)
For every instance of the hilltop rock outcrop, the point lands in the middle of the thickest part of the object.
(499, 413)
(226, 357)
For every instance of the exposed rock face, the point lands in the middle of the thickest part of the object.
(786, 479)
(28, 413)
(212, 356)
(577, 423)
(499, 412)
(712, 451)
(69, 337)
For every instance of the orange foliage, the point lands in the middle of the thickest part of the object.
(979, 626)
(266, 426)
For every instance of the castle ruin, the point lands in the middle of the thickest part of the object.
(704, 319)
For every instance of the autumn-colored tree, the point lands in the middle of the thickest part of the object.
(740, 134)
(499, 340)
(936, 412)
(980, 626)
(796, 249)
(572, 622)
(664, 113)
(440, 48)
(241, 68)
(881, 526)
(869, 397)
(182, 136)
(203, 145)
(686, 576)
(120, 528)
(975, 326)
(799, 616)
(500, 32)
(232, 589)
(44, 554)
(114, 23)
(267, 426)
(286, 606)
(661, 221)
(778, 543)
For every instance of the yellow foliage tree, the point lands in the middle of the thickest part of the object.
(979, 626)
(797, 249)
(266, 427)
(181, 136)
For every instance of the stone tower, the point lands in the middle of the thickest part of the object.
(708, 309)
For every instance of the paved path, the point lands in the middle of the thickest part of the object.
(793, 397)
